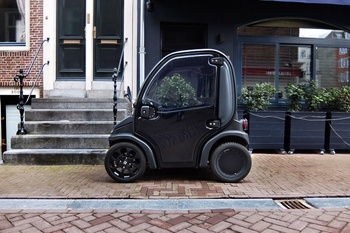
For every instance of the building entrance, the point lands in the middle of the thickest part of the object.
(74, 41)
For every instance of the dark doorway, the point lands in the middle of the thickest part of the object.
(181, 36)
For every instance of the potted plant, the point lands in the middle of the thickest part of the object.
(258, 97)
(266, 127)
(337, 102)
(295, 95)
(305, 121)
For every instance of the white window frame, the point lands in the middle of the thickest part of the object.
(21, 47)
(343, 77)
(343, 63)
(343, 51)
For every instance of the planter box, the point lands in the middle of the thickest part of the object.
(307, 131)
(266, 130)
(339, 131)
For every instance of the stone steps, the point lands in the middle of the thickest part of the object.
(72, 114)
(65, 131)
(86, 103)
(58, 141)
(69, 127)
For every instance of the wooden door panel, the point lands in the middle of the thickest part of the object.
(109, 35)
(71, 39)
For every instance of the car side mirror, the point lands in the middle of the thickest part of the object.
(148, 112)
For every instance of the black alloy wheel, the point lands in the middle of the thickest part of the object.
(125, 162)
(231, 162)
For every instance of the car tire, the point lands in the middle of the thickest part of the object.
(230, 162)
(125, 162)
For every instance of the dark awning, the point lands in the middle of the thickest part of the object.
(337, 2)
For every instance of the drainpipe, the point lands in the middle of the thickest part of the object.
(142, 43)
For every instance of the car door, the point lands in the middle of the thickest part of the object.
(176, 108)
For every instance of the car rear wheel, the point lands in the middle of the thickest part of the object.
(125, 162)
(231, 162)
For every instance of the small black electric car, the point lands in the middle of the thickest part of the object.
(185, 116)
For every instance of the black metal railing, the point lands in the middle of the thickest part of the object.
(115, 75)
(19, 78)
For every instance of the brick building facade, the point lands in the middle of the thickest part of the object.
(13, 59)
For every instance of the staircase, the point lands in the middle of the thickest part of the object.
(65, 131)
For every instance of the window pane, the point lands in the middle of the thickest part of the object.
(72, 17)
(258, 64)
(184, 82)
(294, 66)
(332, 67)
(12, 21)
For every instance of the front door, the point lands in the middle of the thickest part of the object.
(71, 39)
(106, 41)
(108, 35)
(177, 108)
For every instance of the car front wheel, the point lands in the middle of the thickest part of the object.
(125, 162)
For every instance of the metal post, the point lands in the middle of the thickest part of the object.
(114, 78)
(20, 105)
(115, 96)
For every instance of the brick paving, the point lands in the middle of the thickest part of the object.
(272, 176)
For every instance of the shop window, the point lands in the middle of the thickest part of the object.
(269, 55)
(331, 67)
(258, 63)
(14, 24)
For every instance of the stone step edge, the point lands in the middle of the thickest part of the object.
(70, 122)
(62, 136)
(54, 157)
(74, 110)
(56, 151)
(75, 100)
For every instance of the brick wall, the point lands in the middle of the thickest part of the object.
(12, 61)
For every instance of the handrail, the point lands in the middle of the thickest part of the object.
(19, 78)
(114, 78)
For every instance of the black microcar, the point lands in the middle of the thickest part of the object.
(185, 116)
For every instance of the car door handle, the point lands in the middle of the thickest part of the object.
(211, 124)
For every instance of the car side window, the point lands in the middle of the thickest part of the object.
(182, 83)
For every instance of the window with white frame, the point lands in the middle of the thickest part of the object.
(14, 23)
(343, 51)
(343, 77)
(343, 63)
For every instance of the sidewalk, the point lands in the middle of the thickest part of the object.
(273, 176)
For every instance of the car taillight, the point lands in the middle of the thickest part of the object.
(245, 124)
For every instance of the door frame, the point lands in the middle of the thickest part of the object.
(131, 51)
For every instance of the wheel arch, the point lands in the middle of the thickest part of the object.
(227, 136)
(125, 137)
